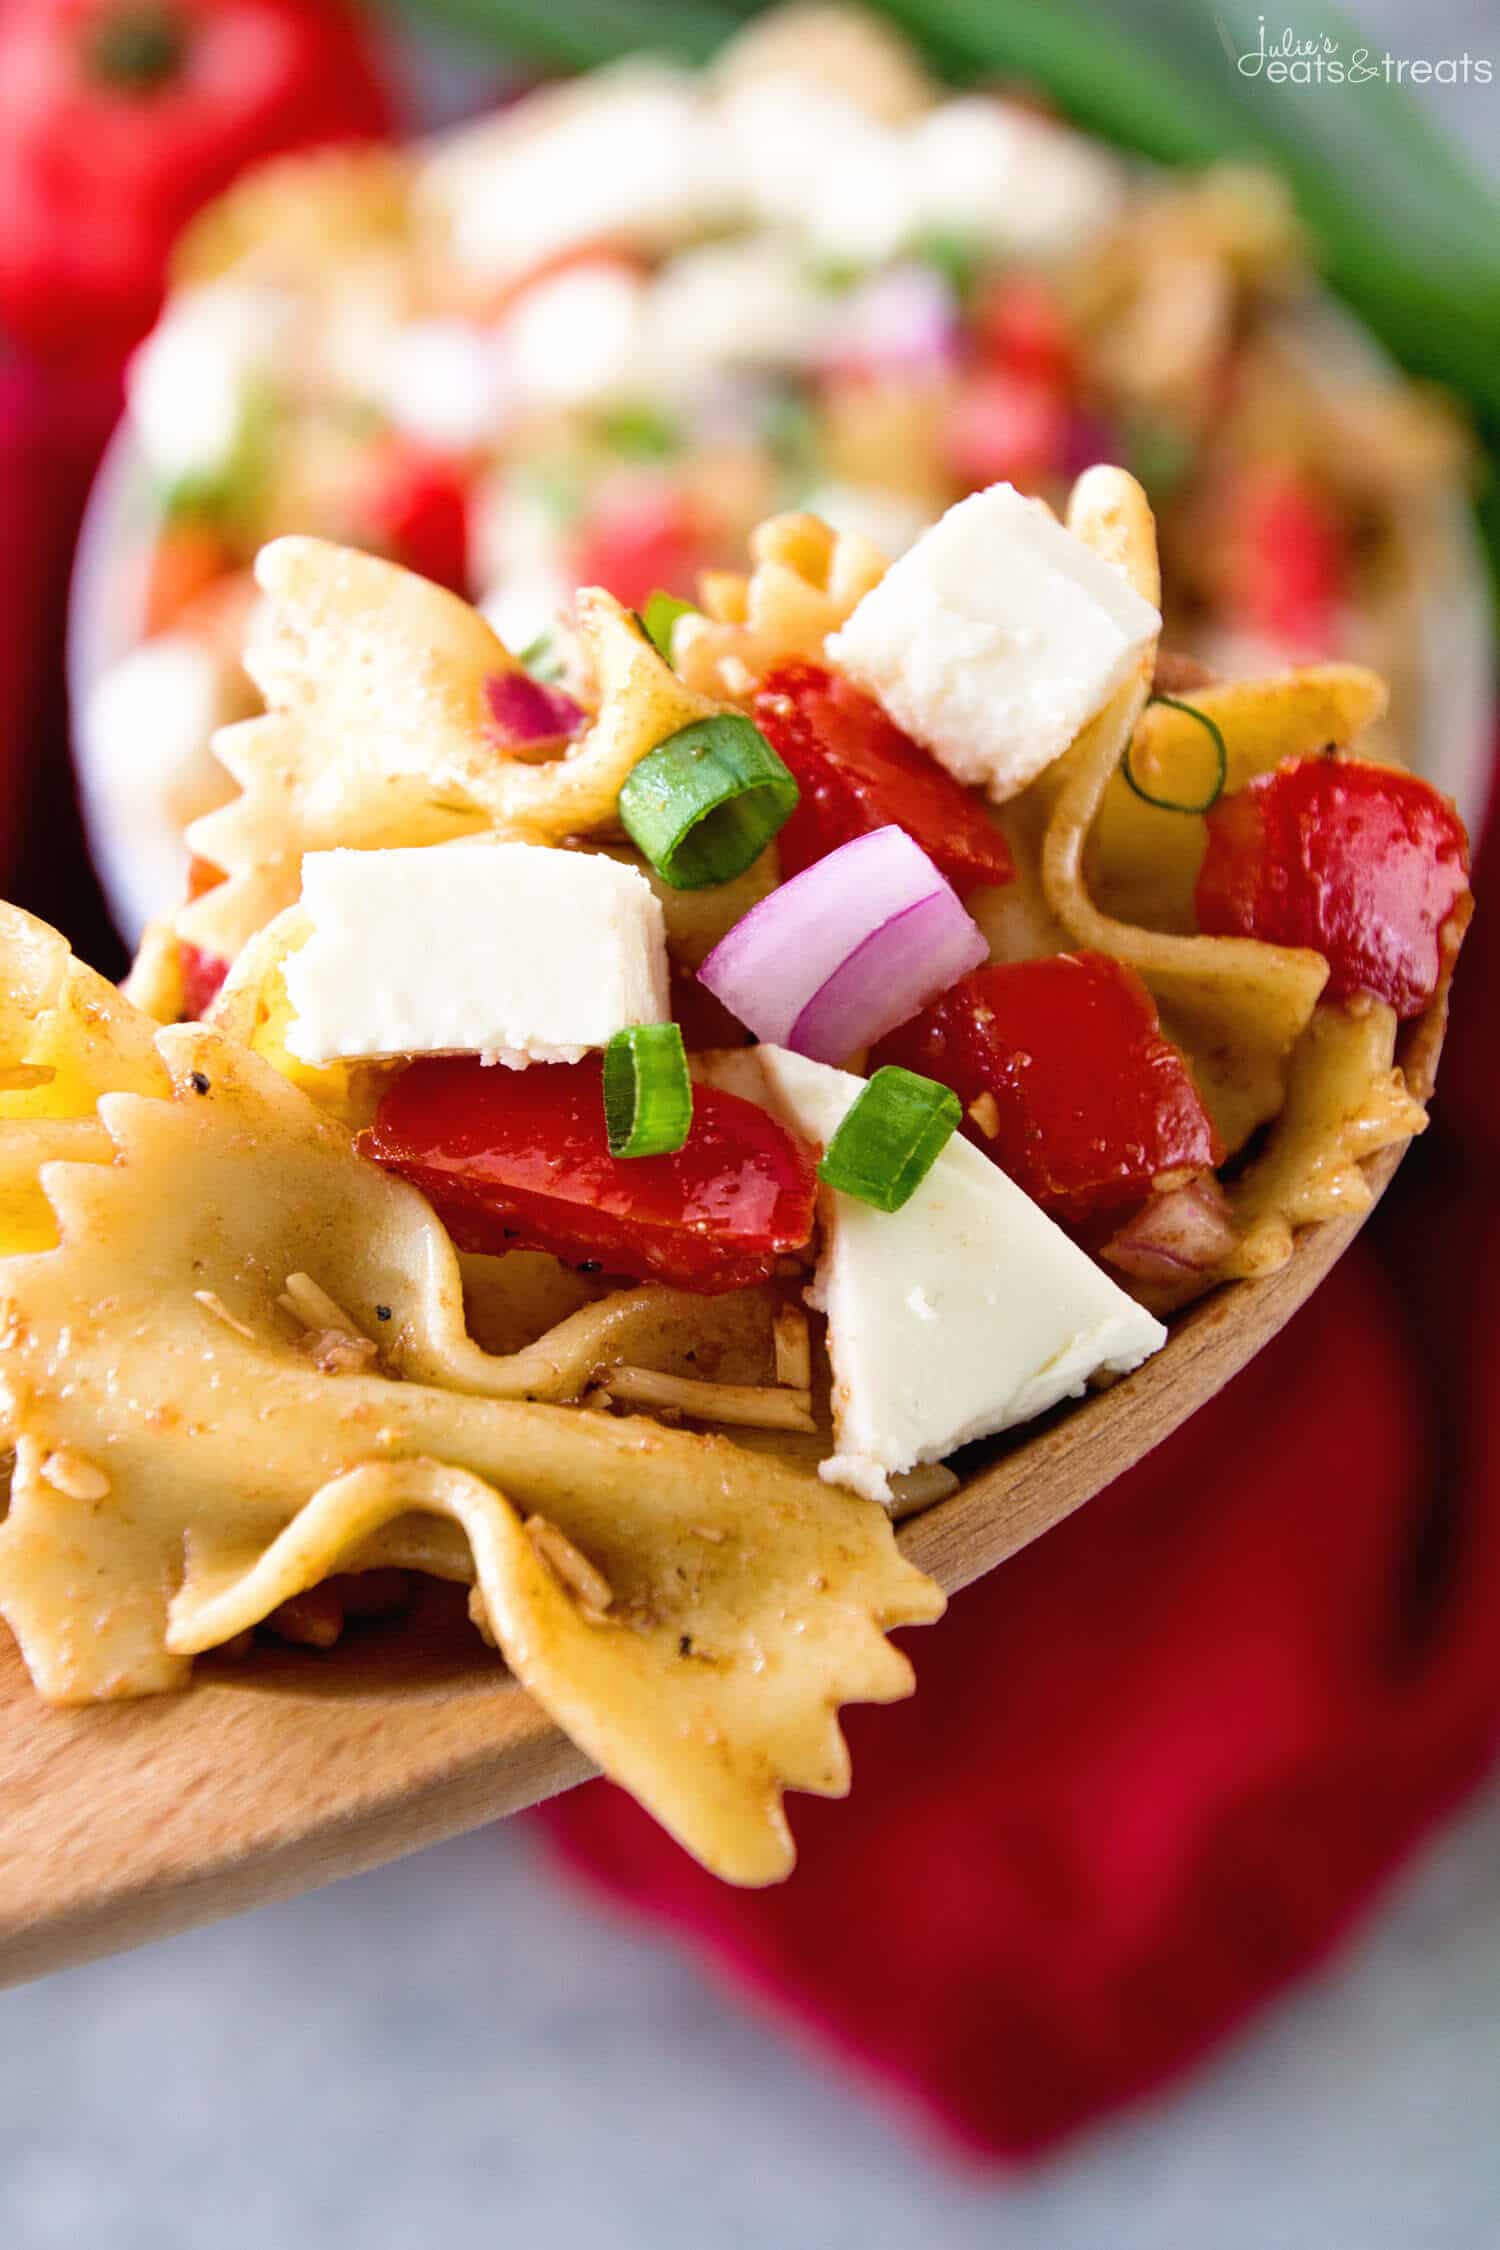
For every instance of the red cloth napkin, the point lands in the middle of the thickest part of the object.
(1158, 1763)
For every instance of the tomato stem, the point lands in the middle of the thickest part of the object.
(137, 47)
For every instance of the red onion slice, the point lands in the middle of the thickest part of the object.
(524, 713)
(846, 950)
(1187, 1231)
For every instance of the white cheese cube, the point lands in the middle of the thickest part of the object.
(995, 638)
(626, 155)
(805, 157)
(961, 1314)
(581, 338)
(441, 382)
(746, 303)
(193, 381)
(1014, 181)
(517, 952)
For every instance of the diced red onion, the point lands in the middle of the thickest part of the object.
(1087, 441)
(903, 321)
(1187, 1231)
(846, 950)
(525, 712)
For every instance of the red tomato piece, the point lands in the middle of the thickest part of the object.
(416, 509)
(1365, 865)
(517, 1159)
(203, 976)
(857, 771)
(645, 538)
(120, 118)
(1020, 326)
(1288, 562)
(1006, 428)
(202, 973)
(187, 559)
(1088, 1102)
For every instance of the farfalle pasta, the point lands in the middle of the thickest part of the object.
(648, 1119)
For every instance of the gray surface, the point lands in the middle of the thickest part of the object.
(457, 2048)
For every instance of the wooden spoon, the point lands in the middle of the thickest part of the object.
(128, 1821)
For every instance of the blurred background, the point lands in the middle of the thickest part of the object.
(1169, 1912)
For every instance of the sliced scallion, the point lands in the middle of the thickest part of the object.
(891, 1138)
(543, 659)
(704, 804)
(1221, 764)
(648, 1095)
(659, 620)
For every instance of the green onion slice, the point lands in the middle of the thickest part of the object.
(1221, 764)
(891, 1138)
(706, 802)
(543, 659)
(648, 1096)
(659, 620)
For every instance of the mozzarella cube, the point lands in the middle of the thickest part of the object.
(193, 381)
(995, 638)
(441, 382)
(624, 155)
(581, 338)
(517, 952)
(1017, 182)
(745, 303)
(963, 1313)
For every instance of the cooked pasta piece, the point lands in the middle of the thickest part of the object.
(1235, 1007)
(269, 1473)
(376, 732)
(805, 581)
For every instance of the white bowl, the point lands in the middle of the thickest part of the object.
(1452, 737)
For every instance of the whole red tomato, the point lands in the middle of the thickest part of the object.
(119, 118)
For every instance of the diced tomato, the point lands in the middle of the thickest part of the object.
(187, 559)
(202, 876)
(203, 975)
(517, 1159)
(857, 771)
(1020, 326)
(1287, 562)
(644, 538)
(1007, 427)
(1088, 1102)
(416, 510)
(1365, 865)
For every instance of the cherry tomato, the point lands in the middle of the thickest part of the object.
(120, 118)
(1365, 865)
(187, 559)
(1020, 326)
(1288, 562)
(642, 539)
(518, 1160)
(1007, 428)
(1088, 1102)
(203, 975)
(416, 510)
(857, 771)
